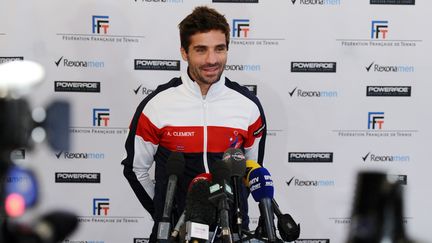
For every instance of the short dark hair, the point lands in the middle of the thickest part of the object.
(203, 19)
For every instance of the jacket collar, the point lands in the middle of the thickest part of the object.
(214, 90)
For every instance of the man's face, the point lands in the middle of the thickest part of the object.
(207, 56)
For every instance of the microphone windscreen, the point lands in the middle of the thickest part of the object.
(236, 161)
(203, 176)
(198, 208)
(175, 164)
(62, 224)
(220, 172)
(250, 165)
(260, 184)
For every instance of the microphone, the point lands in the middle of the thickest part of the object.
(236, 161)
(288, 229)
(199, 212)
(261, 187)
(51, 228)
(220, 194)
(199, 178)
(174, 168)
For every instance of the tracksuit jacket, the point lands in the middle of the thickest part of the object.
(176, 117)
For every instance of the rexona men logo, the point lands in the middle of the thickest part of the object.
(79, 155)
(310, 157)
(399, 91)
(313, 67)
(77, 177)
(243, 67)
(297, 92)
(309, 183)
(101, 206)
(154, 64)
(316, 2)
(76, 86)
(65, 62)
(312, 241)
(10, 59)
(393, 2)
(374, 67)
(372, 157)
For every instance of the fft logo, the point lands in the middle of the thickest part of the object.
(100, 22)
(100, 117)
(375, 120)
(100, 206)
(379, 29)
(240, 28)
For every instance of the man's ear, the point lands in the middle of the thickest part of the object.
(184, 54)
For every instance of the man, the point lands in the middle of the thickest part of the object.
(201, 114)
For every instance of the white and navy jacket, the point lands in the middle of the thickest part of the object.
(176, 117)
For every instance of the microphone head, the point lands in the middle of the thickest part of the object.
(236, 161)
(221, 172)
(250, 165)
(60, 225)
(203, 176)
(260, 184)
(198, 208)
(175, 164)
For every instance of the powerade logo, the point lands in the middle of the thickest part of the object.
(401, 179)
(393, 2)
(101, 117)
(150, 64)
(398, 91)
(100, 24)
(160, 1)
(379, 29)
(310, 157)
(312, 241)
(375, 120)
(101, 206)
(10, 59)
(77, 177)
(141, 240)
(79, 63)
(78, 86)
(296, 92)
(371, 157)
(71, 155)
(313, 67)
(243, 67)
(309, 183)
(316, 2)
(387, 69)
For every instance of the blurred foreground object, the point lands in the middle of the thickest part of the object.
(377, 213)
(20, 128)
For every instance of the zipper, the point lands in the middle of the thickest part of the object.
(204, 103)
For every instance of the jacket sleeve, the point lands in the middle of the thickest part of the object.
(257, 130)
(141, 145)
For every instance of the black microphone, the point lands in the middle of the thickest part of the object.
(51, 228)
(200, 213)
(261, 187)
(288, 229)
(220, 195)
(174, 168)
(236, 161)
